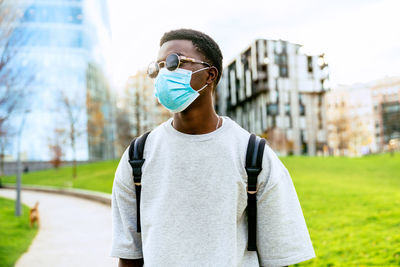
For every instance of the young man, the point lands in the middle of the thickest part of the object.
(193, 187)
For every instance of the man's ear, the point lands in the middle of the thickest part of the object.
(212, 75)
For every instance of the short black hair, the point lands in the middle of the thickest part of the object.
(204, 43)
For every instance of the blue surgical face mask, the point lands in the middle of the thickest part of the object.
(173, 90)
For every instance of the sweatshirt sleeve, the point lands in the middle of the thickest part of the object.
(126, 242)
(282, 234)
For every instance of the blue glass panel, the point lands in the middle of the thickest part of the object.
(48, 37)
(53, 14)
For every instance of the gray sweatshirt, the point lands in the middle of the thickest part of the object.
(193, 204)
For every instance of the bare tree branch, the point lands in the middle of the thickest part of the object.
(15, 77)
(72, 108)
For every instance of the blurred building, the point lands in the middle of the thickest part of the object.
(350, 123)
(386, 106)
(274, 89)
(65, 46)
(100, 109)
(138, 110)
(364, 118)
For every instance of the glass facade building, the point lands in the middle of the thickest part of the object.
(65, 42)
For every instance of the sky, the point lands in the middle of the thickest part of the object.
(360, 39)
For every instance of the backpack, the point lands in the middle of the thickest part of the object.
(254, 156)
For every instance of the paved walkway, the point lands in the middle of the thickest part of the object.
(73, 231)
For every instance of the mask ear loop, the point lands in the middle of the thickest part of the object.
(202, 88)
(206, 83)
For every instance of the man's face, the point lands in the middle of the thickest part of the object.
(187, 49)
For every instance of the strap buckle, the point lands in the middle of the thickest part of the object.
(252, 192)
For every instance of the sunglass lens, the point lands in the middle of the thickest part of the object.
(152, 70)
(172, 62)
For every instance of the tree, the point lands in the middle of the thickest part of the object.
(72, 107)
(56, 147)
(358, 135)
(15, 75)
(339, 128)
(4, 143)
(124, 129)
(100, 114)
(278, 141)
(125, 119)
(96, 122)
(341, 131)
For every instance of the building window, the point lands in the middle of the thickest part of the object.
(320, 125)
(390, 120)
(283, 71)
(281, 59)
(302, 110)
(310, 64)
(264, 68)
(320, 100)
(272, 109)
(287, 109)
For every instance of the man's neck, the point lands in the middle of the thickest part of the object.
(196, 121)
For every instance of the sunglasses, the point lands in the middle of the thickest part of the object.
(172, 62)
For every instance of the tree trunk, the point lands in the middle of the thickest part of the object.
(138, 126)
(1, 166)
(74, 167)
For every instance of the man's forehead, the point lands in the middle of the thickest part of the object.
(181, 47)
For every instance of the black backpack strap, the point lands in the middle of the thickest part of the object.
(254, 156)
(136, 160)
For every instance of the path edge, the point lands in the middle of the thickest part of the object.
(100, 197)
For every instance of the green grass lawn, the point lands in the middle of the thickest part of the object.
(352, 208)
(97, 176)
(351, 205)
(15, 233)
